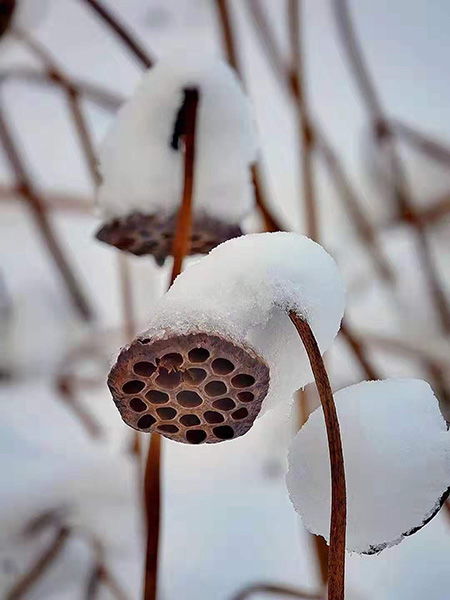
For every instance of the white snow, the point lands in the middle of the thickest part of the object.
(244, 289)
(397, 461)
(142, 172)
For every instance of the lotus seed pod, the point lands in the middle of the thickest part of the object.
(222, 332)
(142, 159)
(396, 449)
(190, 388)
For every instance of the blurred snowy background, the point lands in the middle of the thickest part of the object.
(227, 519)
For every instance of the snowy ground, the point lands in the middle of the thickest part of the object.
(227, 518)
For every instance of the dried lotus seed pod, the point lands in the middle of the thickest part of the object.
(142, 234)
(194, 388)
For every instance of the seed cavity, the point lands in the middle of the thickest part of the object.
(243, 380)
(224, 404)
(172, 360)
(166, 413)
(213, 417)
(133, 387)
(223, 432)
(156, 397)
(146, 421)
(198, 355)
(246, 396)
(196, 436)
(168, 379)
(215, 388)
(189, 399)
(189, 420)
(137, 405)
(222, 366)
(240, 413)
(144, 368)
(194, 376)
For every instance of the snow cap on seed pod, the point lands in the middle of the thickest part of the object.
(220, 348)
(397, 462)
(21, 14)
(142, 158)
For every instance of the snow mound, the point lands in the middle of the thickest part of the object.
(141, 163)
(397, 461)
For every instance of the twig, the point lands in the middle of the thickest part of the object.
(435, 149)
(37, 209)
(44, 562)
(93, 92)
(305, 130)
(67, 393)
(347, 194)
(180, 250)
(270, 221)
(385, 138)
(336, 562)
(51, 201)
(55, 72)
(282, 590)
(119, 29)
(356, 345)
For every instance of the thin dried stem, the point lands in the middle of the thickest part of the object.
(358, 349)
(37, 209)
(98, 95)
(279, 590)
(121, 32)
(323, 147)
(42, 564)
(60, 202)
(385, 138)
(336, 562)
(55, 72)
(305, 130)
(152, 482)
(65, 385)
(271, 223)
(433, 148)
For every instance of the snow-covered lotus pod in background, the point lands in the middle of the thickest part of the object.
(220, 348)
(142, 161)
(397, 462)
(22, 14)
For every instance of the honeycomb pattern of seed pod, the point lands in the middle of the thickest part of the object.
(196, 388)
(142, 234)
(6, 12)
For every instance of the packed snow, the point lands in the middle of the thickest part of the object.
(244, 290)
(397, 462)
(141, 169)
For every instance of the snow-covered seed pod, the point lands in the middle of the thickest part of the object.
(142, 159)
(397, 461)
(220, 349)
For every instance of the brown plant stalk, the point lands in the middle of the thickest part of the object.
(386, 140)
(346, 193)
(39, 214)
(120, 30)
(305, 130)
(336, 560)
(429, 146)
(358, 349)
(152, 482)
(271, 222)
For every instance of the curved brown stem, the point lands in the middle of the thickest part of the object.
(279, 590)
(119, 29)
(357, 347)
(336, 561)
(152, 481)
